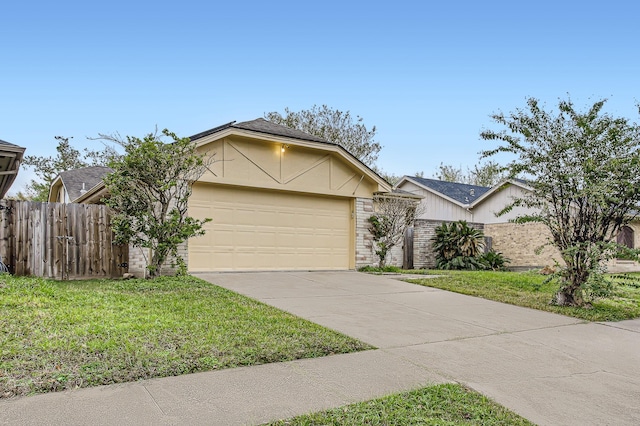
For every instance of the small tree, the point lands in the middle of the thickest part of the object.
(393, 215)
(149, 190)
(458, 246)
(334, 126)
(584, 172)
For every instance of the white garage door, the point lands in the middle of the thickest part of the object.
(268, 230)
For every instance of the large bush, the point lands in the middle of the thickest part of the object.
(458, 246)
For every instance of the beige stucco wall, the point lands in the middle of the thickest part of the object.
(267, 164)
(519, 242)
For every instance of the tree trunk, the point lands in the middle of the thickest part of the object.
(569, 297)
(155, 266)
(382, 251)
(576, 275)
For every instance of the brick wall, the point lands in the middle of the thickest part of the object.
(138, 264)
(364, 240)
(519, 241)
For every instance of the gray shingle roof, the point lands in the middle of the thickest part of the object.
(460, 192)
(7, 143)
(263, 126)
(89, 176)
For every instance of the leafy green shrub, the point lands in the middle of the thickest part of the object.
(494, 260)
(458, 246)
(462, 263)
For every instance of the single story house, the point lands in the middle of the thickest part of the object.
(280, 199)
(10, 159)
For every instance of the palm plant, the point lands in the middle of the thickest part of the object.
(458, 246)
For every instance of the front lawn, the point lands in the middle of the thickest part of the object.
(448, 404)
(61, 335)
(529, 290)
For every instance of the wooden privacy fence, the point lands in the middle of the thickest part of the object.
(62, 241)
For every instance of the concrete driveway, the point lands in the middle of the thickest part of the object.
(549, 368)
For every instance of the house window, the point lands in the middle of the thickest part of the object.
(625, 237)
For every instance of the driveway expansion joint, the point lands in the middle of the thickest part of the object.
(155, 403)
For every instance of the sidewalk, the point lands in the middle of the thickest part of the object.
(238, 396)
(548, 368)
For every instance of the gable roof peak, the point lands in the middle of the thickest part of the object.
(269, 127)
(261, 125)
(84, 178)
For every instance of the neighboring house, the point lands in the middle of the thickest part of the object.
(72, 185)
(526, 245)
(451, 201)
(10, 159)
(280, 199)
(479, 205)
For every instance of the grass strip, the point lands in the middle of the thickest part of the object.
(528, 289)
(448, 404)
(62, 335)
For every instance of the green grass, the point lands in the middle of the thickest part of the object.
(448, 404)
(61, 335)
(529, 289)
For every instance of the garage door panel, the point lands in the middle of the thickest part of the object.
(262, 230)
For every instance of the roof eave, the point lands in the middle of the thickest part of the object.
(9, 176)
(433, 191)
(96, 189)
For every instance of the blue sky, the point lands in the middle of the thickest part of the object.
(426, 74)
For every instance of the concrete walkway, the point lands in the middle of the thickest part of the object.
(551, 369)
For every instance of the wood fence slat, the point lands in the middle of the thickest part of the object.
(61, 241)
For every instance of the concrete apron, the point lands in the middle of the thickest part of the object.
(549, 368)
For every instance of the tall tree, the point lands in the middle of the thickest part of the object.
(335, 126)
(67, 158)
(488, 173)
(584, 171)
(149, 190)
(450, 173)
